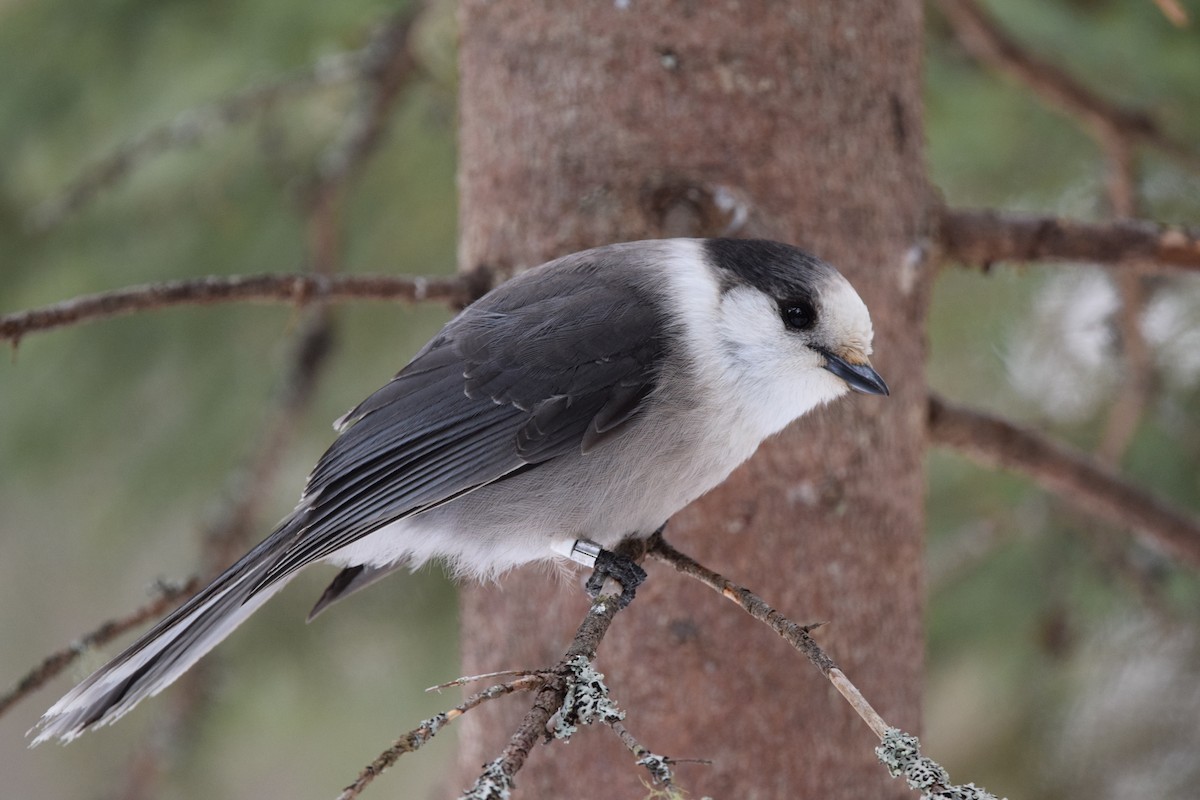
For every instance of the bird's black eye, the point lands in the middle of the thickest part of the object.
(799, 315)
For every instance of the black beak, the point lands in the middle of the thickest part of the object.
(859, 377)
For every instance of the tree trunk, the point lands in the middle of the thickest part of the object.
(588, 122)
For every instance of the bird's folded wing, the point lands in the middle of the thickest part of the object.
(554, 364)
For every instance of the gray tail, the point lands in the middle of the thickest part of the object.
(168, 649)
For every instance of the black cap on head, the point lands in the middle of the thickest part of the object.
(776, 269)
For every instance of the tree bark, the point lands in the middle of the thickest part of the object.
(589, 122)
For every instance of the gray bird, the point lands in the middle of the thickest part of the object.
(580, 403)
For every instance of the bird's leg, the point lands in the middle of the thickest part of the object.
(618, 564)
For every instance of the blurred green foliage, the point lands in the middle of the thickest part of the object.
(120, 438)
(1022, 586)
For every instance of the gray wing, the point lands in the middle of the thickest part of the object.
(552, 362)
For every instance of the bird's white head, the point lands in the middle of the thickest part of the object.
(791, 332)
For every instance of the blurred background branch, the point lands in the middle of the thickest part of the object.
(167, 596)
(231, 534)
(382, 68)
(296, 289)
(982, 237)
(386, 68)
(986, 40)
(191, 128)
(1086, 482)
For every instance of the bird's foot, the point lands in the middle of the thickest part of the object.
(622, 569)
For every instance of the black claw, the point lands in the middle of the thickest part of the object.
(621, 569)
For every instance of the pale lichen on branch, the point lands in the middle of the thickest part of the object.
(494, 783)
(585, 701)
(900, 752)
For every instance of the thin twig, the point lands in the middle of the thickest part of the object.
(143, 771)
(226, 537)
(292, 288)
(167, 596)
(1120, 186)
(795, 635)
(1136, 387)
(508, 673)
(552, 686)
(383, 64)
(658, 766)
(980, 238)
(989, 43)
(225, 540)
(1073, 475)
(420, 735)
(171, 735)
(899, 751)
(322, 211)
(1117, 131)
(638, 749)
(386, 66)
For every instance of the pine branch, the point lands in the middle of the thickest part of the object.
(388, 67)
(551, 687)
(552, 710)
(224, 539)
(795, 635)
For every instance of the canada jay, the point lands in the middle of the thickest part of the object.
(580, 403)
